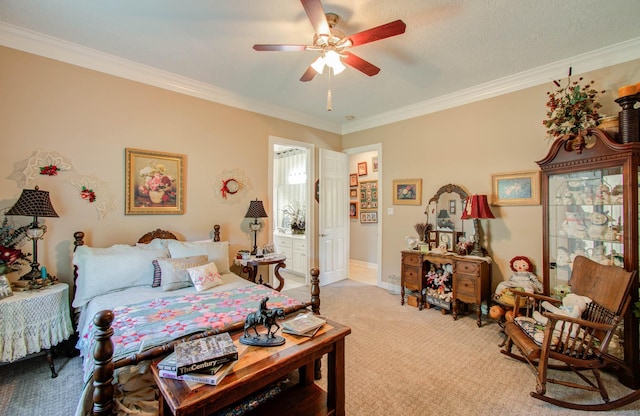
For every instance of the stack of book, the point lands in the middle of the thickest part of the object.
(206, 360)
(305, 325)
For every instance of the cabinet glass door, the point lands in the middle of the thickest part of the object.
(586, 215)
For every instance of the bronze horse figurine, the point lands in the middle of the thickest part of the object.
(266, 317)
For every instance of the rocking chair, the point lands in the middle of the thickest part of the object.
(576, 344)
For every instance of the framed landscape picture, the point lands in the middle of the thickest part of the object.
(407, 192)
(155, 182)
(516, 188)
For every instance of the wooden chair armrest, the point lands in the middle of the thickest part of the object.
(536, 296)
(554, 318)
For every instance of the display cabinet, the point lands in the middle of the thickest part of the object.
(590, 208)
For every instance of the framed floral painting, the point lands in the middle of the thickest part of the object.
(155, 182)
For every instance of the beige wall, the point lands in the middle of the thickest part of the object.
(363, 243)
(464, 146)
(90, 118)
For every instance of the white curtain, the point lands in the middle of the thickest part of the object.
(290, 175)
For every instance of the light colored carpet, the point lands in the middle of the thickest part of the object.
(399, 361)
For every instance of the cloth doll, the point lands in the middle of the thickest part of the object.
(572, 305)
(522, 278)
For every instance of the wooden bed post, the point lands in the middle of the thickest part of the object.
(315, 290)
(104, 367)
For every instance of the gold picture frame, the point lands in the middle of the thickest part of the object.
(515, 188)
(155, 182)
(407, 192)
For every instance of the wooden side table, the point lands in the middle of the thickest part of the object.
(250, 266)
(33, 321)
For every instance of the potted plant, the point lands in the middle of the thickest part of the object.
(295, 212)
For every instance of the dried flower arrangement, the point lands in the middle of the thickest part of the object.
(10, 238)
(571, 109)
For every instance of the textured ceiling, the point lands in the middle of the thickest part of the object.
(449, 45)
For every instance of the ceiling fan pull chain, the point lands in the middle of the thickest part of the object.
(329, 101)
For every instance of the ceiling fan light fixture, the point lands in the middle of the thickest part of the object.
(332, 58)
(318, 65)
(337, 67)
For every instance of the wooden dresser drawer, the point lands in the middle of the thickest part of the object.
(411, 277)
(466, 287)
(468, 268)
(413, 259)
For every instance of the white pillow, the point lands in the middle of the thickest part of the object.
(217, 251)
(103, 270)
(173, 272)
(205, 277)
(155, 243)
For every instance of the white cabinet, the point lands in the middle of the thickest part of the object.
(294, 247)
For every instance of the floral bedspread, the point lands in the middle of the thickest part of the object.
(141, 326)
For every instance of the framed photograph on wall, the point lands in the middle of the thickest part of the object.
(407, 191)
(516, 188)
(353, 210)
(374, 164)
(353, 179)
(155, 182)
(362, 168)
(353, 193)
(368, 217)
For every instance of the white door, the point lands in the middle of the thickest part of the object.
(333, 217)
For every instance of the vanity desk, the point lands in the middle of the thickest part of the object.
(470, 280)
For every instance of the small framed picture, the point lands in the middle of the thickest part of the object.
(445, 239)
(374, 164)
(362, 168)
(268, 249)
(353, 193)
(353, 210)
(353, 179)
(452, 206)
(368, 217)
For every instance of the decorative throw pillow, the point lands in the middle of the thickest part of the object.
(174, 273)
(217, 251)
(205, 277)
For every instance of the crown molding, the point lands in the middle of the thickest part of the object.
(590, 61)
(38, 44)
(49, 47)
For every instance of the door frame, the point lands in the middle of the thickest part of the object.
(310, 228)
(375, 147)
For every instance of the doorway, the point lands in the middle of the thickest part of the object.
(291, 173)
(365, 231)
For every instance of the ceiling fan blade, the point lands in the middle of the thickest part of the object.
(316, 16)
(360, 64)
(283, 48)
(371, 35)
(308, 75)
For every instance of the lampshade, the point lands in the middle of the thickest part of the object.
(33, 203)
(256, 210)
(443, 214)
(477, 207)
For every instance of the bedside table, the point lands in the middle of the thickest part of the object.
(250, 266)
(34, 321)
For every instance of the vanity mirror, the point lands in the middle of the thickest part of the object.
(444, 212)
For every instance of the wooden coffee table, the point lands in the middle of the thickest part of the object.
(259, 367)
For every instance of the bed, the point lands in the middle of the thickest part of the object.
(133, 303)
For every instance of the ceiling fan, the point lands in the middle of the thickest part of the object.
(332, 43)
